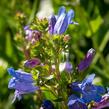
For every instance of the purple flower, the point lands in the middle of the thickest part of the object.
(88, 91)
(32, 35)
(22, 82)
(103, 103)
(32, 63)
(76, 103)
(66, 66)
(47, 104)
(87, 60)
(58, 24)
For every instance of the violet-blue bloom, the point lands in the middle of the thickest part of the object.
(87, 60)
(20, 75)
(22, 82)
(32, 63)
(88, 91)
(21, 86)
(58, 24)
(47, 104)
(76, 103)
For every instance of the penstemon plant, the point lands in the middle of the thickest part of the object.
(47, 71)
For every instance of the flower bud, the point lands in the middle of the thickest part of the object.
(32, 63)
(66, 66)
(66, 38)
(87, 60)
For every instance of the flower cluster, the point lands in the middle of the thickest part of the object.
(59, 23)
(52, 72)
(88, 91)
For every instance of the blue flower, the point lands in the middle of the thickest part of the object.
(88, 91)
(21, 86)
(20, 75)
(22, 82)
(104, 103)
(76, 103)
(47, 104)
(58, 24)
(87, 60)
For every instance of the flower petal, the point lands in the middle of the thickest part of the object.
(100, 89)
(70, 16)
(60, 25)
(25, 88)
(11, 71)
(52, 23)
(61, 11)
(87, 60)
(88, 80)
(91, 97)
(23, 76)
(76, 103)
(11, 84)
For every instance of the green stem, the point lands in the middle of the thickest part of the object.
(34, 10)
(101, 48)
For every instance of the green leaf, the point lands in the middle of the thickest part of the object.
(95, 24)
(49, 95)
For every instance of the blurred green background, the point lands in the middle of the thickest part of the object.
(92, 32)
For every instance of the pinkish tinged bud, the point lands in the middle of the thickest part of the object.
(66, 38)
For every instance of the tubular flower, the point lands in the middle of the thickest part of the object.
(88, 91)
(58, 24)
(76, 103)
(87, 60)
(22, 82)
